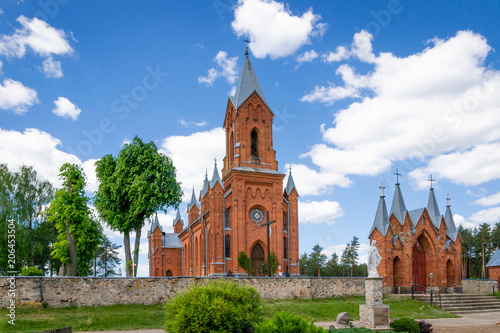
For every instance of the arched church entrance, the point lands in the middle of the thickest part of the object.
(257, 260)
(419, 271)
(450, 274)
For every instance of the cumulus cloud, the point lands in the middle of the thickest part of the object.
(416, 108)
(193, 154)
(36, 34)
(312, 182)
(490, 215)
(272, 28)
(307, 56)
(89, 169)
(317, 212)
(491, 200)
(341, 53)
(14, 96)
(192, 123)
(66, 109)
(52, 68)
(36, 148)
(225, 67)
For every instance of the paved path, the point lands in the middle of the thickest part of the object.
(477, 323)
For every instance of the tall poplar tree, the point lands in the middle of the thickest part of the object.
(133, 186)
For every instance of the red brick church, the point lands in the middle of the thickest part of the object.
(228, 214)
(413, 244)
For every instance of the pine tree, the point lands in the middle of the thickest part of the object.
(107, 258)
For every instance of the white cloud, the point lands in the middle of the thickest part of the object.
(339, 249)
(1, 11)
(52, 68)
(16, 97)
(66, 109)
(312, 182)
(192, 123)
(460, 221)
(43, 39)
(415, 107)
(307, 56)
(490, 215)
(317, 212)
(491, 200)
(226, 68)
(341, 53)
(89, 168)
(193, 154)
(272, 28)
(36, 148)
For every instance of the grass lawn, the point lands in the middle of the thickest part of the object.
(122, 317)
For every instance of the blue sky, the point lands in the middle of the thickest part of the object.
(359, 88)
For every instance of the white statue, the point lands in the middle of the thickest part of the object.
(373, 260)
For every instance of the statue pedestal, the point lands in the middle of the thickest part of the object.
(374, 314)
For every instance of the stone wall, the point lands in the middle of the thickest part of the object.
(57, 292)
(478, 286)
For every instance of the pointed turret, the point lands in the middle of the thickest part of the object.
(155, 224)
(193, 202)
(290, 185)
(204, 189)
(178, 223)
(215, 177)
(381, 221)
(247, 85)
(432, 208)
(398, 207)
(451, 229)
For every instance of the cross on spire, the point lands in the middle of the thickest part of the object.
(431, 180)
(397, 176)
(246, 48)
(382, 187)
(215, 159)
(290, 169)
(448, 200)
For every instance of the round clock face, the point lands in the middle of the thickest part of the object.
(256, 215)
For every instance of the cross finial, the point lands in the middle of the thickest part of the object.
(397, 176)
(246, 48)
(193, 188)
(290, 169)
(215, 159)
(431, 180)
(448, 200)
(382, 187)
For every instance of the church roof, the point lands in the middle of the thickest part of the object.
(215, 178)
(204, 189)
(433, 210)
(451, 229)
(398, 207)
(381, 221)
(495, 260)
(247, 85)
(193, 201)
(155, 224)
(415, 215)
(290, 185)
(178, 217)
(171, 241)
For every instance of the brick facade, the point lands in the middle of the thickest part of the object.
(226, 217)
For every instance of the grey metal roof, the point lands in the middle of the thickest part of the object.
(171, 241)
(178, 217)
(415, 215)
(433, 210)
(215, 178)
(204, 189)
(495, 260)
(156, 224)
(290, 185)
(257, 170)
(398, 207)
(381, 221)
(247, 85)
(451, 229)
(193, 201)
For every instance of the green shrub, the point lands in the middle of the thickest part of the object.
(245, 262)
(287, 323)
(31, 271)
(406, 325)
(218, 306)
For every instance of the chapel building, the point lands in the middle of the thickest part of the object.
(227, 216)
(413, 244)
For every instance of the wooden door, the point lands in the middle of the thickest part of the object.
(257, 260)
(419, 272)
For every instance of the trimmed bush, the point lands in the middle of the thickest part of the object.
(218, 306)
(31, 271)
(406, 325)
(287, 323)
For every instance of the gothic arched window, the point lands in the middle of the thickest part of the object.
(285, 248)
(254, 138)
(227, 247)
(284, 223)
(227, 218)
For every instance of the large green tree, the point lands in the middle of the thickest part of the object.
(317, 261)
(107, 258)
(79, 233)
(134, 185)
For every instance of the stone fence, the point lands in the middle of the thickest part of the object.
(63, 291)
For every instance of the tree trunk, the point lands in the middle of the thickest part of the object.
(136, 249)
(128, 258)
(72, 269)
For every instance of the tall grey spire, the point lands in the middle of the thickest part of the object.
(193, 201)
(451, 229)
(381, 221)
(155, 224)
(204, 189)
(215, 177)
(433, 209)
(290, 185)
(398, 207)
